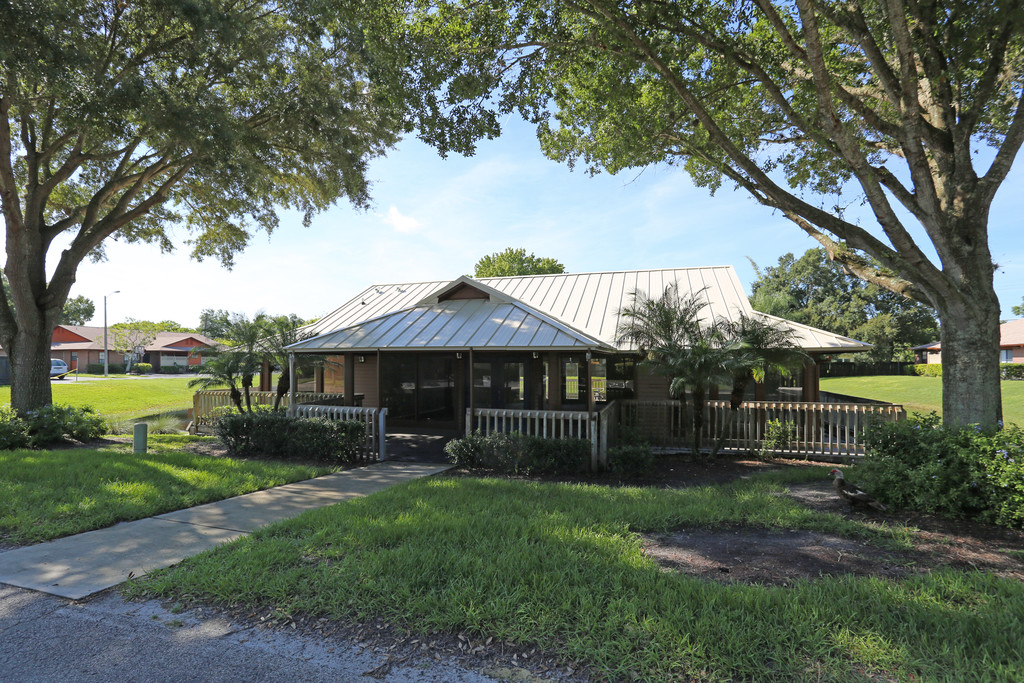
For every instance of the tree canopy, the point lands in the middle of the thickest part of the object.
(515, 262)
(77, 310)
(118, 120)
(817, 291)
(1019, 310)
(911, 108)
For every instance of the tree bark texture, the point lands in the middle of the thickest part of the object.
(970, 369)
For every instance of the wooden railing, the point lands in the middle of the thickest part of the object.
(549, 424)
(374, 419)
(205, 403)
(814, 428)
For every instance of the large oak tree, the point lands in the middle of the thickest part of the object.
(912, 107)
(120, 119)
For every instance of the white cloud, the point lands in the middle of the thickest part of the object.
(401, 223)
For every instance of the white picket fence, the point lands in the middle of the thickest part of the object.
(206, 402)
(374, 419)
(548, 424)
(834, 429)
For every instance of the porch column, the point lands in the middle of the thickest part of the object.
(349, 368)
(265, 376)
(318, 380)
(293, 383)
(811, 377)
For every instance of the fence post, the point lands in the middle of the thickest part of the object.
(602, 455)
(382, 434)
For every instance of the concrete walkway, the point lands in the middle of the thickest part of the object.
(78, 566)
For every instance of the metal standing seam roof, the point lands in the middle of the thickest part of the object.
(455, 324)
(585, 304)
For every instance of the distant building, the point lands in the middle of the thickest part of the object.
(1011, 345)
(80, 346)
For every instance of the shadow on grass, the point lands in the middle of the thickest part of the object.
(560, 566)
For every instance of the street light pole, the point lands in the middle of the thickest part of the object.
(106, 351)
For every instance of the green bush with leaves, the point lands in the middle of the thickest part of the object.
(1011, 370)
(48, 425)
(13, 430)
(631, 459)
(778, 434)
(273, 433)
(142, 368)
(928, 369)
(919, 464)
(516, 453)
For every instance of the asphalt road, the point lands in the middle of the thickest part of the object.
(45, 638)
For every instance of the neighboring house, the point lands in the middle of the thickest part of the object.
(80, 346)
(429, 350)
(1011, 345)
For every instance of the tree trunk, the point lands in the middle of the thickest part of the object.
(698, 422)
(283, 383)
(29, 353)
(970, 364)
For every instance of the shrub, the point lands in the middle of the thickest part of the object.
(1011, 370)
(631, 459)
(928, 369)
(516, 453)
(555, 456)
(957, 471)
(778, 434)
(142, 368)
(275, 434)
(97, 368)
(52, 424)
(13, 430)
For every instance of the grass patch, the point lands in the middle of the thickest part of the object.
(122, 398)
(49, 494)
(919, 394)
(561, 566)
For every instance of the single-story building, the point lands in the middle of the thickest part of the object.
(80, 346)
(428, 351)
(1011, 345)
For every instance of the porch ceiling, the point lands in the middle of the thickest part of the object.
(455, 325)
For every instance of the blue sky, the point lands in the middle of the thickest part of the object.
(434, 218)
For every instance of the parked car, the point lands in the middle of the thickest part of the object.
(58, 368)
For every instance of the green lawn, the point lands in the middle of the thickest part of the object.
(121, 398)
(561, 567)
(49, 494)
(919, 394)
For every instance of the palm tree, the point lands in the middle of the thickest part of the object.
(247, 336)
(220, 370)
(674, 341)
(281, 332)
(760, 347)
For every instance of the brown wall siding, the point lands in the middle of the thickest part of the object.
(85, 358)
(366, 380)
(334, 375)
(650, 386)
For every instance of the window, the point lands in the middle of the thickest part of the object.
(599, 379)
(572, 381)
(1005, 355)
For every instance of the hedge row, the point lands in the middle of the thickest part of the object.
(1006, 370)
(274, 434)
